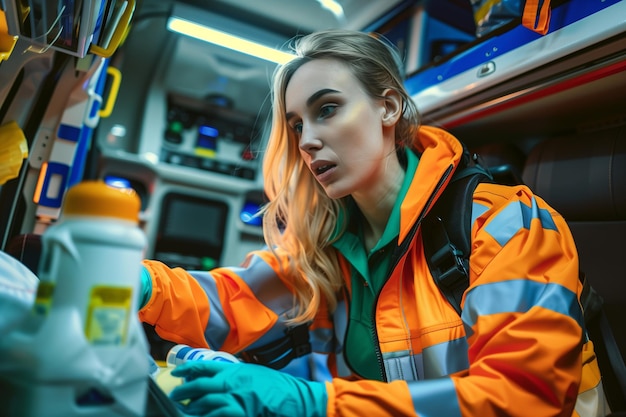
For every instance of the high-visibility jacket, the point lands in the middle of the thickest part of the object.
(518, 349)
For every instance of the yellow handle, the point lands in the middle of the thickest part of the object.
(118, 35)
(116, 80)
(7, 42)
(13, 150)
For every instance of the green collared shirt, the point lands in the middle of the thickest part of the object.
(369, 274)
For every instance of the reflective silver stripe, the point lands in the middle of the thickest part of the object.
(340, 320)
(519, 296)
(266, 286)
(323, 340)
(434, 398)
(516, 216)
(445, 358)
(434, 362)
(343, 370)
(217, 328)
(270, 290)
(592, 403)
(400, 366)
(477, 211)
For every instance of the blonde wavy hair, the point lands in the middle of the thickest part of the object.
(300, 219)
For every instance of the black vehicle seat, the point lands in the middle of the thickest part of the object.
(583, 177)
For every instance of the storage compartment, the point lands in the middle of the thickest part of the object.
(515, 84)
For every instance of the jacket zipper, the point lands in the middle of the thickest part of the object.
(397, 255)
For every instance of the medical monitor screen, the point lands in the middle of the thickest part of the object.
(188, 219)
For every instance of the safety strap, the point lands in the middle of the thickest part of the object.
(446, 230)
(610, 360)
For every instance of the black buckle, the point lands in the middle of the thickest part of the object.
(451, 271)
(278, 354)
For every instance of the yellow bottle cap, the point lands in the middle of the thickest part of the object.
(95, 198)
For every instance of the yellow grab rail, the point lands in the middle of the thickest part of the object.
(116, 80)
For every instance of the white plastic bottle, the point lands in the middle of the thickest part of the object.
(82, 351)
(180, 354)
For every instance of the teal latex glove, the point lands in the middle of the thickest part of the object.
(146, 288)
(226, 389)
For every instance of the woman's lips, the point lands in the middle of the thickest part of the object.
(325, 174)
(323, 170)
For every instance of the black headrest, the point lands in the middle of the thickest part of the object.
(582, 176)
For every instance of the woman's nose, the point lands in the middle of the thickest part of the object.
(309, 139)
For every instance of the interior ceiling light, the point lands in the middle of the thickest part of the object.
(212, 33)
(335, 8)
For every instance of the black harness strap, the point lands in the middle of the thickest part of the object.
(446, 230)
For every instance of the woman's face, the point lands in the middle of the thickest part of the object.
(339, 127)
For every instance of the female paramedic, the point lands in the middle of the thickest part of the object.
(349, 174)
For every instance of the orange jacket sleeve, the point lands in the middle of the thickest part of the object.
(224, 309)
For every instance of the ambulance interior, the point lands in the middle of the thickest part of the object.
(189, 120)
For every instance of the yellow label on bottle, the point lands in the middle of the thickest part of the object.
(43, 299)
(108, 313)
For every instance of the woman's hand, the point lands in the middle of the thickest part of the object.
(214, 388)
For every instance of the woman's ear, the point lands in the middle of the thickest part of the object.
(392, 101)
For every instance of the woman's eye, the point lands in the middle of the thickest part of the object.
(327, 110)
(297, 127)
